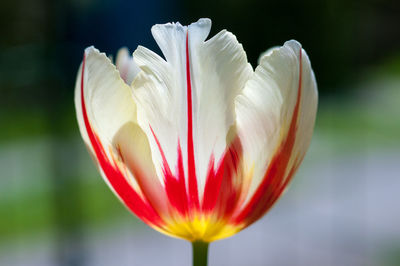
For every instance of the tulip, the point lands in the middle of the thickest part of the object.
(197, 144)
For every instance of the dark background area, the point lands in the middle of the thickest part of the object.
(42, 41)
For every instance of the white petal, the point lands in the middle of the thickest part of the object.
(219, 76)
(134, 150)
(78, 108)
(308, 108)
(265, 108)
(157, 109)
(126, 66)
(266, 53)
(111, 113)
(218, 72)
(108, 99)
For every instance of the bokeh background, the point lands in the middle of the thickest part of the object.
(343, 206)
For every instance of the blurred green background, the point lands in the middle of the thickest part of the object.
(342, 208)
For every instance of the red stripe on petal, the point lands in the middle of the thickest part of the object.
(223, 185)
(113, 174)
(213, 185)
(181, 181)
(193, 191)
(273, 183)
(174, 186)
(232, 180)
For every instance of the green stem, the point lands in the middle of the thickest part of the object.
(200, 253)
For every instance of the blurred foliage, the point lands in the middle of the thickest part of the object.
(391, 256)
(32, 213)
(40, 203)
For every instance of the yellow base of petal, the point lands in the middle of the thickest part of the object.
(200, 228)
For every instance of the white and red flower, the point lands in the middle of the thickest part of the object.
(198, 145)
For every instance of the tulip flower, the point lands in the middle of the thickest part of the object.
(197, 144)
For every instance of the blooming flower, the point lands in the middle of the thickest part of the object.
(198, 145)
